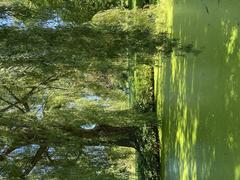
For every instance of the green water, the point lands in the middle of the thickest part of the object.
(120, 89)
(199, 94)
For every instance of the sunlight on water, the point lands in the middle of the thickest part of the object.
(201, 93)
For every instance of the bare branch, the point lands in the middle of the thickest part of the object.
(38, 156)
(10, 105)
(6, 152)
(11, 93)
(34, 88)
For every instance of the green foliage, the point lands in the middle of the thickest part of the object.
(75, 11)
(142, 88)
(55, 79)
(148, 152)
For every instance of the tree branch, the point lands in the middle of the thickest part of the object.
(35, 159)
(11, 93)
(34, 88)
(10, 105)
(6, 152)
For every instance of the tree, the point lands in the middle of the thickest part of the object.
(56, 79)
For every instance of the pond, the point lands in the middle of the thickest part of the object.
(119, 89)
(199, 95)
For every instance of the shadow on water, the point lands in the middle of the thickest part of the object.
(198, 96)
